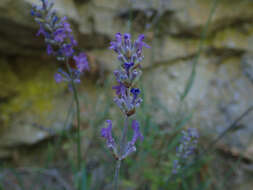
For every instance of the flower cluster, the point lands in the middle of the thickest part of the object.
(129, 148)
(59, 40)
(130, 57)
(186, 148)
(127, 95)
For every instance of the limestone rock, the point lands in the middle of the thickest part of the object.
(221, 91)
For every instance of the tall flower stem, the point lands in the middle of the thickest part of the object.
(78, 139)
(121, 151)
(123, 136)
(116, 176)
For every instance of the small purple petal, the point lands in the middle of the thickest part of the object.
(67, 50)
(120, 89)
(60, 35)
(107, 134)
(49, 49)
(41, 31)
(135, 92)
(58, 78)
(128, 66)
(137, 134)
(81, 62)
(118, 37)
(66, 25)
(127, 39)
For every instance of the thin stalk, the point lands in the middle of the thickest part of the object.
(191, 79)
(123, 136)
(129, 23)
(121, 152)
(78, 140)
(116, 176)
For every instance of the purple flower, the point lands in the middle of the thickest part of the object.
(193, 133)
(127, 40)
(73, 41)
(128, 66)
(118, 38)
(57, 32)
(119, 102)
(60, 35)
(139, 42)
(176, 166)
(59, 40)
(128, 51)
(49, 49)
(45, 4)
(62, 76)
(137, 133)
(54, 20)
(115, 45)
(67, 50)
(186, 148)
(117, 75)
(130, 148)
(32, 12)
(41, 31)
(107, 134)
(66, 25)
(81, 62)
(135, 92)
(120, 89)
(129, 56)
(58, 78)
(120, 75)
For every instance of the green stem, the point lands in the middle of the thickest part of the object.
(123, 137)
(121, 152)
(78, 140)
(191, 79)
(129, 23)
(116, 176)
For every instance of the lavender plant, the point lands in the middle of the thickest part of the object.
(127, 95)
(61, 43)
(186, 148)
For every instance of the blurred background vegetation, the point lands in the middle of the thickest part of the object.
(198, 73)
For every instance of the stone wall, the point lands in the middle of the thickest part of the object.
(222, 89)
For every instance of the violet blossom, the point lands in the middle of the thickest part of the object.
(186, 148)
(127, 94)
(107, 134)
(59, 40)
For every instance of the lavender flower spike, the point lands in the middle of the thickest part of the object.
(186, 148)
(127, 95)
(129, 56)
(59, 40)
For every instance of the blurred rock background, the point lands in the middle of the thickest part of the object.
(30, 100)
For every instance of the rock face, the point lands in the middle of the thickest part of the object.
(222, 89)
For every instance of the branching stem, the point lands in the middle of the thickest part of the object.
(121, 152)
(78, 139)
